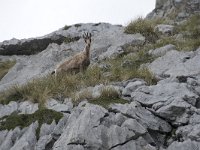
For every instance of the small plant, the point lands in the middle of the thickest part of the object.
(5, 66)
(70, 39)
(24, 120)
(191, 28)
(77, 25)
(144, 27)
(66, 27)
(107, 97)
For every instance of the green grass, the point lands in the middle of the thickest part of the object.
(66, 27)
(191, 28)
(107, 97)
(4, 67)
(24, 120)
(144, 27)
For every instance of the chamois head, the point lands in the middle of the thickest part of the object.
(87, 37)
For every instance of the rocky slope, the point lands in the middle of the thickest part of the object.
(175, 9)
(163, 116)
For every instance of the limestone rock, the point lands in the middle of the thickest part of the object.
(175, 64)
(132, 86)
(162, 50)
(169, 9)
(172, 101)
(8, 109)
(28, 139)
(186, 145)
(164, 29)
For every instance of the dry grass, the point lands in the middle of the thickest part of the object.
(107, 97)
(4, 67)
(144, 27)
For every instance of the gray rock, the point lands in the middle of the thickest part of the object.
(186, 145)
(27, 107)
(42, 142)
(117, 135)
(143, 116)
(8, 109)
(172, 101)
(175, 64)
(166, 9)
(134, 126)
(27, 140)
(132, 86)
(10, 138)
(162, 50)
(164, 29)
(58, 130)
(3, 136)
(47, 129)
(60, 107)
(80, 129)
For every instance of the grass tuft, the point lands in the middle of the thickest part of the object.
(5, 66)
(107, 97)
(144, 27)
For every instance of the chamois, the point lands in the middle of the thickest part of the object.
(79, 62)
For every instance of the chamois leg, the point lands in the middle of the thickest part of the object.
(81, 69)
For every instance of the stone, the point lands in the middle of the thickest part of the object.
(132, 86)
(81, 132)
(167, 9)
(186, 145)
(6, 110)
(10, 138)
(42, 142)
(65, 107)
(134, 126)
(172, 101)
(165, 29)
(47, 129)
(142, 115)
(27, 107)
(28, 139)
(161, 51)
(175, 63)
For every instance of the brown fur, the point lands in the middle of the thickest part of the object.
(79, 62)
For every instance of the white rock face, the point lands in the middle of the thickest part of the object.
(25, 107)
(176, 63)
(183, 8)
(161, 51)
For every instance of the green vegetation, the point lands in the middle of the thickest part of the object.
(108, 96)
(191, 28)
(4, 67)
(144, 27)
(66, 27)
(70, 39)
(77, 25)
(24, 120)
